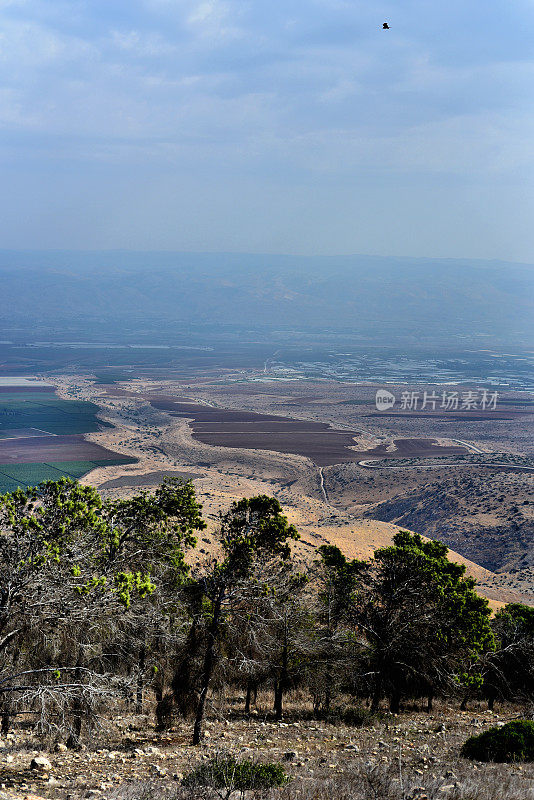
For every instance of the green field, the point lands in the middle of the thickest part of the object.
(48, 412)
(13, 476)
(21, 410)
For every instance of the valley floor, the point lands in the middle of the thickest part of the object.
(469, 507)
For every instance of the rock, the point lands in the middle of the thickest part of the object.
(40, 764)
(353, 747)
(157, 770)
(91, 793)
(447, 787)
(26, 796)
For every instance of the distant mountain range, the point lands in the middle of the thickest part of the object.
(368, 296)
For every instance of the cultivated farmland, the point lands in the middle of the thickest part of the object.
(46, 412)
(13, 476)
(317, 441)
(41, 437)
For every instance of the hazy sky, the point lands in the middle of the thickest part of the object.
(264, 126)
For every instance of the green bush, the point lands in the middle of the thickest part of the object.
(511, 742)
(228, 774)
(358, 717)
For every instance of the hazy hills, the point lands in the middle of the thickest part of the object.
(366, 295)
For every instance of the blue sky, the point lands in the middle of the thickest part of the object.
(258, 126)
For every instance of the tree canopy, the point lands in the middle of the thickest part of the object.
(103, 599)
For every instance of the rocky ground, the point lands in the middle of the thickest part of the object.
(125, 755)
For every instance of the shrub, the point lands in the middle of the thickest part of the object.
(359, 717)
(512, 742)
(229, 775)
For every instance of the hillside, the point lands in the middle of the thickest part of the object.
(368, 295)
(477, 514)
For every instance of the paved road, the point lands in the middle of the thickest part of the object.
(490, 465)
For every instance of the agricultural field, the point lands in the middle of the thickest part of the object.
(41, 437)
(13, 476)
(46, 412)
(35, 449)
(148, 479)
(318, 441)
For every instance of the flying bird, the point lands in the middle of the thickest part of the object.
(385, 27)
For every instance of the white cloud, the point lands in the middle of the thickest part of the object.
(215, 19)
(308, 91)
(143, 45)
(27, 45)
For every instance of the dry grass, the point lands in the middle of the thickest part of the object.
(366, 782)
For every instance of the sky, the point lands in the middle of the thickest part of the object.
(263, 126)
